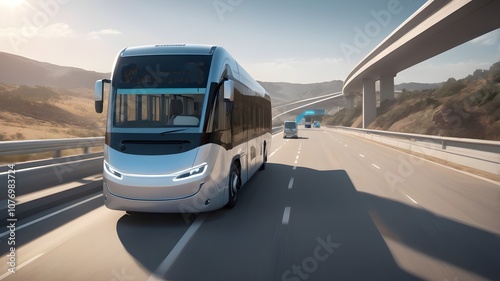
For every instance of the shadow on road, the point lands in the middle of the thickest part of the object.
(150, 237)
(461, 245)
(250, 242)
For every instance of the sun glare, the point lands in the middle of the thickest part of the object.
(11, 3)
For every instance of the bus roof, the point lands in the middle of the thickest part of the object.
(186, 49)
(191, 49)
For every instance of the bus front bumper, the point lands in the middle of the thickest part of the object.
(208, 198)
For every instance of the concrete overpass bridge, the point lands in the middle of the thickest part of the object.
(439, 25)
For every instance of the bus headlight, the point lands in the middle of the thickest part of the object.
(111, 171)
(191, 172)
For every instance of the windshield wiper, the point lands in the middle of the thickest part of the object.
(171, 131)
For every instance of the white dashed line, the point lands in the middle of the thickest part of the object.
(286, 215)
(362, 155)
(376, 166)
(290, 183)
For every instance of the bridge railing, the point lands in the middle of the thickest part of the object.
(481, 155)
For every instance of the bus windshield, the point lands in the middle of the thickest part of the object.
(159, 91)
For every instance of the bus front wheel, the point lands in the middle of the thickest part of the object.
(234, 186)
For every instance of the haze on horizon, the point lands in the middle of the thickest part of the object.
(281, 41)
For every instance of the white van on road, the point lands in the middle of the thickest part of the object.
(290, 129)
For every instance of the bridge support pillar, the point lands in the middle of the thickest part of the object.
(386, 88)
(349, 102)
(369, 102)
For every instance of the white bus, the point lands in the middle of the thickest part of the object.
(187, 126)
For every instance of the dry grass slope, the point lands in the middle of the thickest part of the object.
(466, 108)
(45, 113)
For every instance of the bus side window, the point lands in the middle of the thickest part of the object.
(220, 114)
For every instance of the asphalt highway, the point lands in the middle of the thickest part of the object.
(328, 206)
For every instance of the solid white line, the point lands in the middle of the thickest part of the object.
(376, 166)
(165, 265)
(412, 200)
(362, 155)
(52, 214)
(3, 276)
(275, 151)
(290, 183)
(436, 163)
(286, 215)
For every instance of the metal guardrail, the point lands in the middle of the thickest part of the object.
(46, 183)
(276, 130)
(8, 148)
(478, 154)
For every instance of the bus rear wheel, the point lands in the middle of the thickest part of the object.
(234, 186)
(263, 166)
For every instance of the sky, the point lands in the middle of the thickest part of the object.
(297, 41)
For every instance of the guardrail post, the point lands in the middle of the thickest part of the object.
(57, 154)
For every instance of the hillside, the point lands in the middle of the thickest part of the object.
(42, 100)
(466, 108)
(19, 70)
(46, 113)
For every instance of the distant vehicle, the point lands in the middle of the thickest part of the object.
(290, 129)
(316, 124)
(187, 126)
(308, 121)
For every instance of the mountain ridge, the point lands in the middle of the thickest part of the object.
(20, 70)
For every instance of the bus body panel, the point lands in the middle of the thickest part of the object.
(195, 180)
(141, 193)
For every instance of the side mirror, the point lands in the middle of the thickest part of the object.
(229, 90)
(99, 94)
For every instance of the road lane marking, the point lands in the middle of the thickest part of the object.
(297, 157)
(362, 155)
(165, 265)
(294, 168)
(286, 215)
(275, 151)
(412, 200)
(52, 214)
(376, 166)
(6, 274)
(290, 183)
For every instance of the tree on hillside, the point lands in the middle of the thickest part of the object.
(495, 72)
